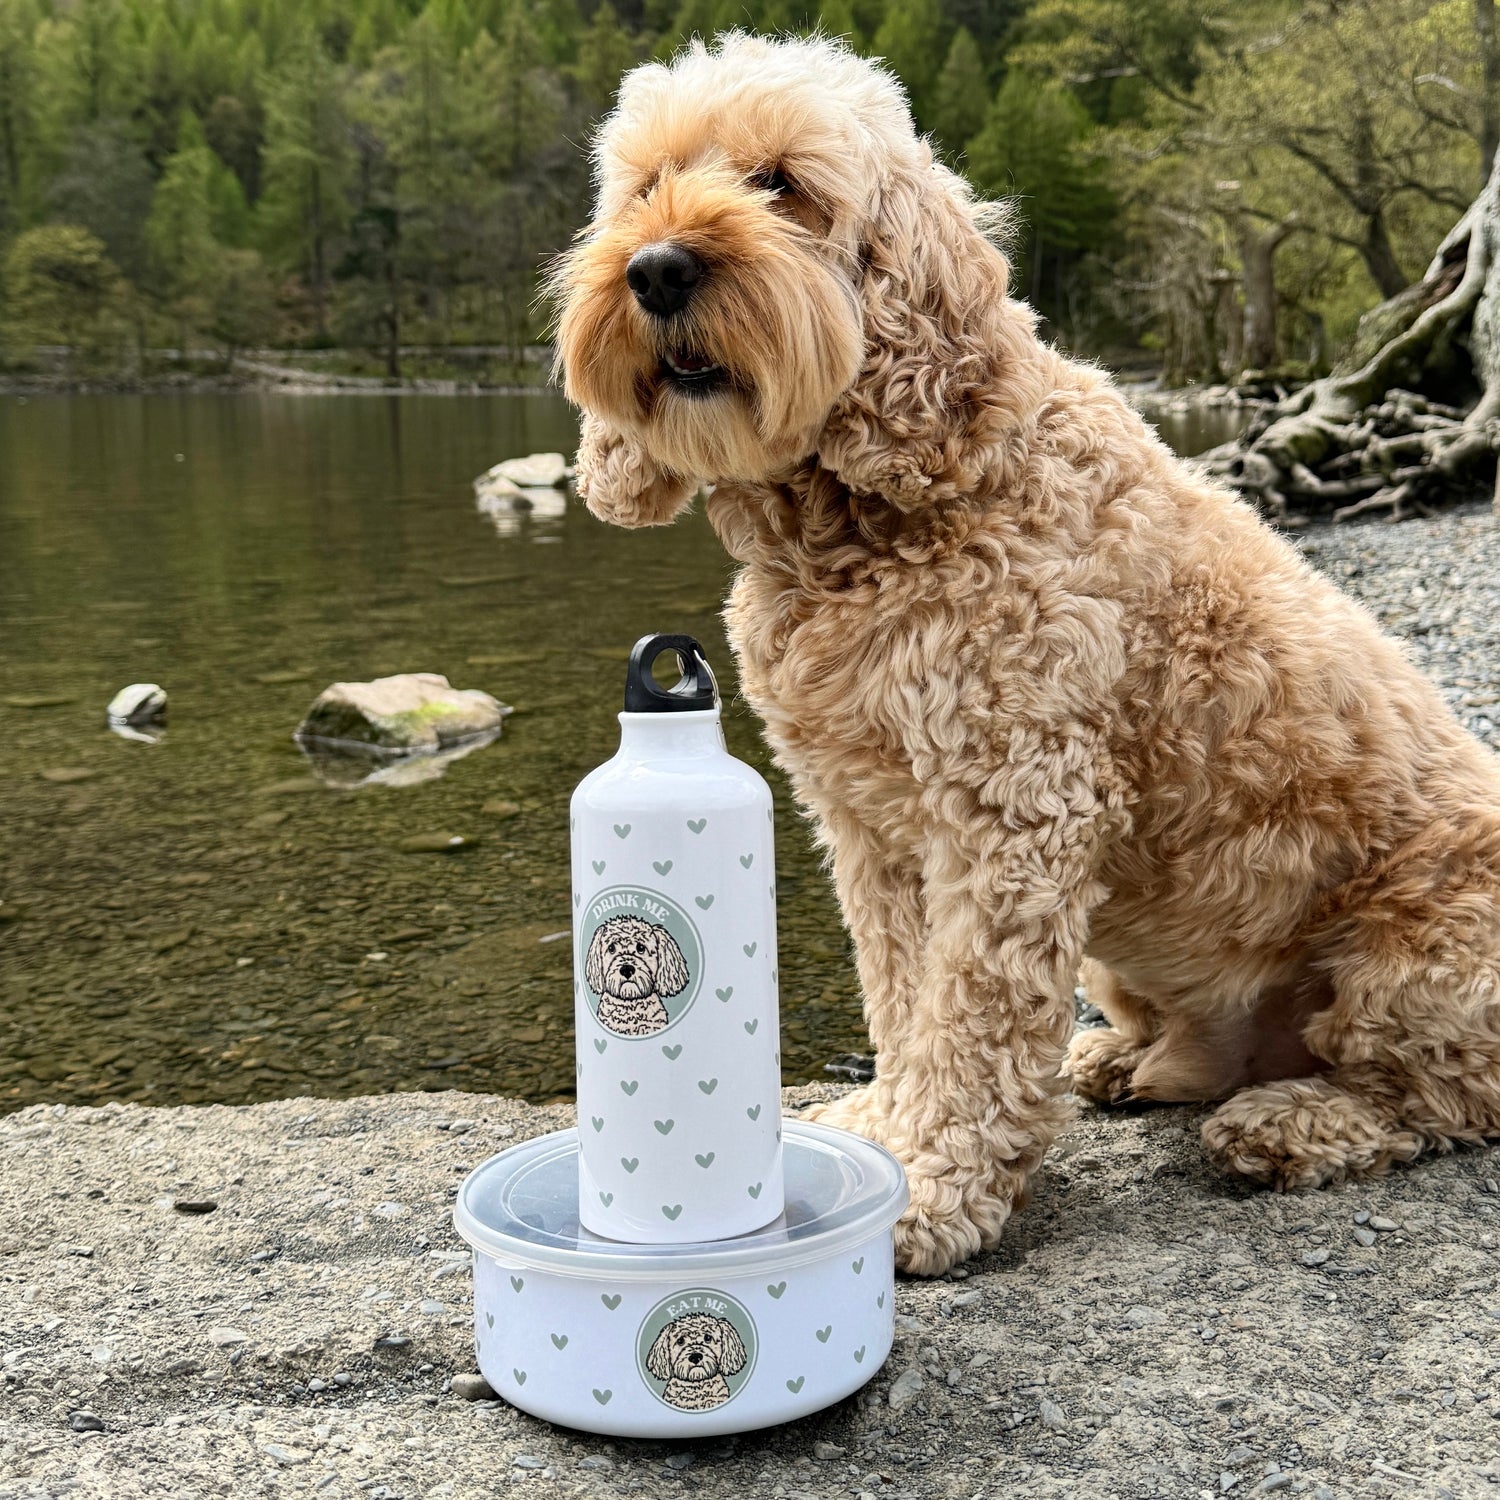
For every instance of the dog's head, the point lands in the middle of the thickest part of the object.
(630, 959)
(778, 270)
(697, 1346)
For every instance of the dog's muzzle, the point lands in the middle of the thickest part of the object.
(663, 277)
(630, 980)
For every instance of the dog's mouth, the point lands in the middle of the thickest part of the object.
(692, 373)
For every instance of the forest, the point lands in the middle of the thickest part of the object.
(1213, 187)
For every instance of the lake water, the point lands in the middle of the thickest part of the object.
(204, 919)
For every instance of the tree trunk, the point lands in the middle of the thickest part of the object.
(1407, 424)
(1258, 249)
(1380, 259)
(1489, 97)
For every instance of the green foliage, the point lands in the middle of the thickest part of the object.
(397, 171)
(1033, 149)
(62, 288)
(962, 94)
(913, 39)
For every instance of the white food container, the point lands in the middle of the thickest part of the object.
(683, 1340)
(674, 972)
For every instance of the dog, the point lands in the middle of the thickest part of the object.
(693, 1354)
(632, 966)
(1055, 702)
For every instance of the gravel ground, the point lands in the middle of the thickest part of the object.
(1435, 584)
(1148, 1329)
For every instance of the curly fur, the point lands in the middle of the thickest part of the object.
(632, 966)
(1052, 699)
(693, 1354)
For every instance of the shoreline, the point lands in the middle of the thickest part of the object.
(302, 1323)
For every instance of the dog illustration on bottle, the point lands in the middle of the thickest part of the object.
(633, 966)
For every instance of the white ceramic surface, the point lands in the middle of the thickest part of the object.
(674, 928)
(683, 1340)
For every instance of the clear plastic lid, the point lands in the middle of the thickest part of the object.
(522, 1208)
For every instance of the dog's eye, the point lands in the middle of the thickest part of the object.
(611, 948)
(772, 180)
(640, 947)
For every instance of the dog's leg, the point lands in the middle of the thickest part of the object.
(968, 1094)
(881, 900)
(1412, 1036)
(1102, 1061)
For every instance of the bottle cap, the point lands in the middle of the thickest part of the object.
(693, 692)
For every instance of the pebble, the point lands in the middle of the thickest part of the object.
(472, 1387)
(435, 843)
(1384, 1226)
(66, 775)
(286, 1457)
(85, 1421)
(1053, 1417)
(596, 1461)
(1318, 1257)
(1366, 1237)
(1362, 1217)
(343, 1378)
(499, 807)
(431, 1307)
(528, 1461)
(393, 1341)
(967, 1299)
(1143, 1317)
(826, 1450)
(316, 1385)
(195, 1205)
(223, 1336)
(905, 1388)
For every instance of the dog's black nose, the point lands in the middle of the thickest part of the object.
(663, 277)
(627, 971)
(696, 1357)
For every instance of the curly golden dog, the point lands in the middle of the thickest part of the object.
(1053, 700)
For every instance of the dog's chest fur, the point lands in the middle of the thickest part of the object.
(696, 1395)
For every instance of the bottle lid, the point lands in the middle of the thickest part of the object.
(693, 692)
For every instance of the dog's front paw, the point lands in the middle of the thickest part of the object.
(857, 1110)
(1304, 1133)
(944, 1225)
(1100, 1065)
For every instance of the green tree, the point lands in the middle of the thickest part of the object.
(306, 165)
(242, 302)
(17, 111)
(1033, 148)
(180, 236)
(604, 53)
(961, 98)
(104, 183)
(913, 39)
(62, 288)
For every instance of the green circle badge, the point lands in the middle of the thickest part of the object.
(641, 960)
(696, 1349)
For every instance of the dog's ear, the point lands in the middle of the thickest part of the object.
(659, 1360)
(946, 355)
(734, 1351)
(593, 967)
(620, 483)
(671, 968)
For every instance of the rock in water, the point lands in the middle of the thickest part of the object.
(140, 703)
(404, 715)
(539, 471)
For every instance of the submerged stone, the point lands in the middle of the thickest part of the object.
(411, 713)
(140, 703)
(537, 471)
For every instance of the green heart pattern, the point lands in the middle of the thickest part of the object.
(560, 1340)
(824, 1334)
(622, 830)
(672, 1053)
(520, 1376)
(705, 1161)
(602, 1397)
(777, 1289)
(517, 1282)
(610, 1299)
(662, 866)
(671, 1210)
(708, 1085)
(606, 1198)
(754, 1189)
(796, 1385)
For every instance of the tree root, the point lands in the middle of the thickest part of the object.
(1416, 425)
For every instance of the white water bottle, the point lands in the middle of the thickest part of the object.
(674, 961)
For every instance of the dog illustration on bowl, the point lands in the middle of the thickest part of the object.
(633, 966)
(693, 1354)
